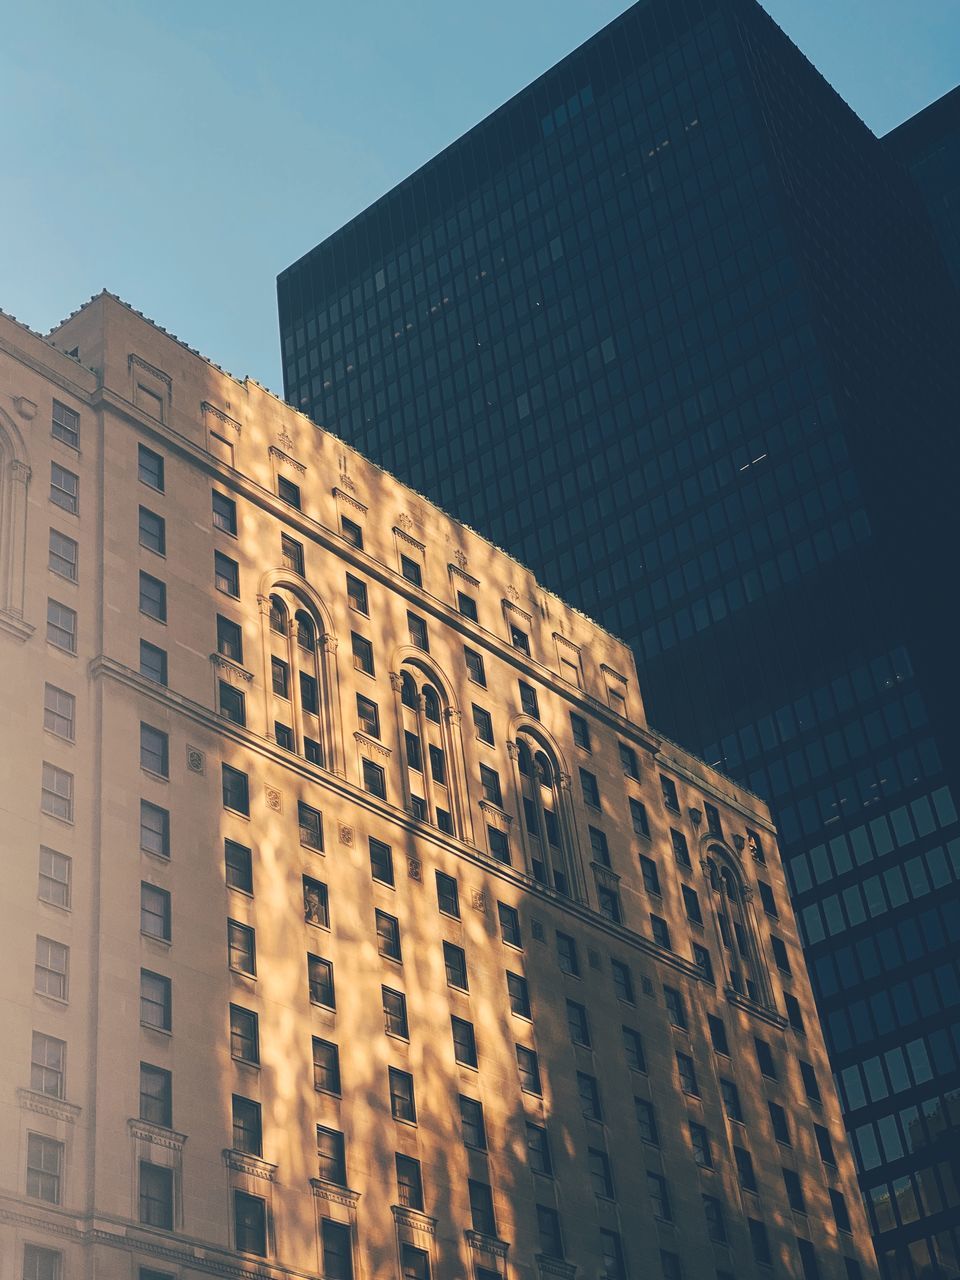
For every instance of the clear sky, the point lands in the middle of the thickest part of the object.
(182, 152)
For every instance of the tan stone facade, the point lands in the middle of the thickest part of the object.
(354, 921)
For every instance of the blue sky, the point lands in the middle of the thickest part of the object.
(181, 154)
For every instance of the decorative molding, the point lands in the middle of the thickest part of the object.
(234, 673)
(157, 1135)
(739, 841)
(554, 1267)
(159, 374)
(758, 1010)
(696, 815)
(279, 456)
(334, 1193)
(564, 643)
(252, 1166)
(511, 607)
(329, 642)
(396, 681)
(224, 418)
(478, 900)
(372, 745)
(403, 536)
(605, 875)
(347, 499)
(12, 622)
(513, 592)
(20, 471)
(481, 1243)
(459, 571)
(454, 717)
(285, 438)
(414, 1219)
(25, 408)
(496, 816)
(345, 834)
(414, 868)
(461, 559)
(44, 1105)
(274, 799)
(405, 521)
(196, 760)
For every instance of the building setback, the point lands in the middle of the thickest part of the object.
(356, 924)
(672, 327)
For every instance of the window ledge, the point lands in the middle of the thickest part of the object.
(253, 1166)
(46, 1105)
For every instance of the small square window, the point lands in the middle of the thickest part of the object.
(411, 570)
(153, 662)
(288, 492)
(66, 425)
(153, 598)
(467, 606)
(64, 489)
(150, 467)
(224, 513)
(351, 532)
(357, 594)
(153, 532)
(64, 556)
(581, 731)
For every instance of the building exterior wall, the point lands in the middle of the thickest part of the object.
(134, 387)
(672, 327)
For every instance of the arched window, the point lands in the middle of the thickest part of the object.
(297, 680)
(278, 616)
(14, 480)
(431, 771)
(550, 859)
(735, 925)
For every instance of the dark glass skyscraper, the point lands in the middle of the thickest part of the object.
(928, 144)
(672, 327)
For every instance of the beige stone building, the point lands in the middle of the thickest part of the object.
(354, 921)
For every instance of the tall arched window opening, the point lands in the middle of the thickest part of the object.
(547, 842)
(735, 925)
(300, 712)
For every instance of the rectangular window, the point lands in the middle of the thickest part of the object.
(520, 640)
(417, 630)
(337, 1249)
(680, 850)
(455, 964)
(824, 1145)
(402, 1102)
(661, 933)
(794, 1189)
(368, 716)
(56, 792)
(638, 818)
(409, 1183)
(362, 654)
(765, 1058)
(700, 1138)
(326, 1066)
(598, 847)
(291, 554)
(481, 1208)
(332, 1156)
(528, 700)
(280, 677)
(61, 626)
(581, 731)
(647, 1121)
(614, 1267)
(548, 1229)
(628, 761)
(229, 639)
(250, 1223)
(320, 982)
(238, 866)
(448, 898)
(841, 1215)
(622, 981)
(691, 904)
(59, 712)
(467, 606)
(241, 948)
(44, 1168)
(718, 1035)
(64, 489)
(688, 1075)
(150, 468)
(388, 935)
(471, 1119)
(633, 1049)
(650, 875)
(351, 532)
(589, 1092)
(288, 492)
(716, 1224)
(381, 861)
(154, 750)
(310, 822)
(55, 877)
(778, 1119)
(591, 791)
(659, 1196)
(598, 1162)
(810, 1085)
(780, 954)
(374, 779)
(236, 790)
(759, 1242)
(244, 1035)
(578, 1023)
(714, 825)
(156, 1001)
(153, 598)
(156, 1095)
(475, 667)
(731, 1100)
(156, 1195)
(233, 704)
(247, 1126)
(499, 844)
(567, 955)
(63, 556)
(438, 765)
(675, 1007)
(808, 1259)
(153, 532)
(744, 1163)
(794, 1012)
(41, 1264)
(154, 829)
(47, 1056)
(538, 1150)
(411, 570)
(767, 899)
(395, 1013)
(226, 574)
(668, 791)
(464, 1042)
(608, 903)
(153, 663)
(518, 994)
(316, 902)
(357, 594)
(154, 912)
(483, 723)
(224, 513)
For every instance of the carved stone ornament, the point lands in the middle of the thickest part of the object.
(414, 869)
(696, 816)
(739, 842)
(196, 760)
(252, 1166)
(334, 1193)
(157, 1135)
(346, 834)
(20, 471)
(152, 369)
(460, 558)
(46, 1106)
(223, 418)
(348, 482)
(371, 746)
(233, 673)
(478, 900)
(396, 681)
(513, 593)
(413, 1219)
(26, 408)
(274, 799)
(554, 1267)
(405, 521)
(481, 1243)
(285, 438)
(279, 456)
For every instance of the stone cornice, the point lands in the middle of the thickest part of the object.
(409, 539)
(414, 1219)
(15, 625)
(457, 571)
(279, 456)
(333, 1192)
(224, 418)
(157, 1134)
(44, 1105)
(373, 745)
(134, 359)
(232, 670)
(252, 1166)
(481, 1243)
(349, 500)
